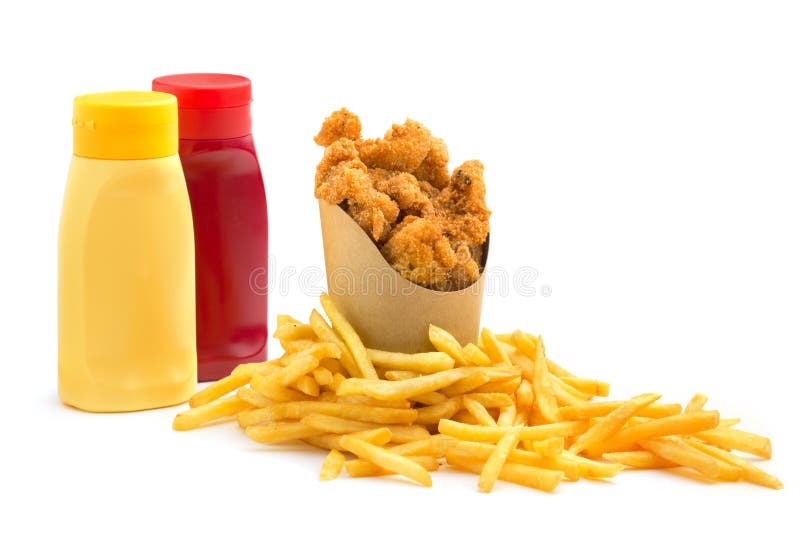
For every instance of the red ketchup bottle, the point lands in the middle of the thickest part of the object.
(229, 210)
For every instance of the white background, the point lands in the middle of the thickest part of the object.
(642, 157)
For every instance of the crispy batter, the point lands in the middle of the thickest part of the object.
(433, 168)
(442, 219)
(339, 124)
(403, 148)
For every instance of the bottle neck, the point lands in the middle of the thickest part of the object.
(220, 123)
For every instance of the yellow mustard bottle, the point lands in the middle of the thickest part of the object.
(126, 295)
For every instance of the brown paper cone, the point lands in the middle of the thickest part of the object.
(388, 311)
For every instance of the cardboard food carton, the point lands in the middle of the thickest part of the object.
(389, 312)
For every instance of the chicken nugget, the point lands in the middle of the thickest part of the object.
(403, 148)
(339, 124)
(433, 168)
(404, 189)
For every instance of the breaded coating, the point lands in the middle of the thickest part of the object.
(403, 148)
(404, 189)
(433, 168)
(462, 206)
(339, 124)
(431, 226)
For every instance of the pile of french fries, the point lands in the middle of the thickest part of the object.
(499, 408)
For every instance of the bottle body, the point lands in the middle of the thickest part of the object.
(126, 286)
(229, 210)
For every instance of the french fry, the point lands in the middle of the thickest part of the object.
(638, 460)
(696, 403)
(601, 409)
(322, 376)
(728, 422)
(507, 386)
(196, 417)
(576, 395)
(445, 342)
(732, 438)
(494, 464)
(399, 375)
(277, 432)
(587, 385)
(548, 447)
(325, 332)
(677, 451)
(525, 475)
(369, 401)
(687, 423)
(350, 337)
(475, 356)
(376, 436)
(492, 400)
(293, 331)
(252, 397)
(402, 389)
(296, 345)
(750, 472)
(422, 362)
(478, 411)
(493, 348)
(507, 415)
(435, 446)
(541, 382)
(218, 389)
(306, 384)
(492, 434)
(434, 397)
(365, 468)
(332, 466)
(465, 385)
(386, 459)
(298, 410)
(611, 423)
(480, 452)
(591, 469)
(557, 370)
(275, 392)
(430, 415)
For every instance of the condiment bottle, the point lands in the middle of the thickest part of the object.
(126, 321)
(230, 218)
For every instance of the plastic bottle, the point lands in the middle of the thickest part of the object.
(126, 318)
(230, 218)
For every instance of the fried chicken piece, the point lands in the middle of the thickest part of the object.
(403, 148)
(433, 168)
(404, 189)
(341, 177)
(419, 251)
(461, 207)
(439, 242)
(339, 124)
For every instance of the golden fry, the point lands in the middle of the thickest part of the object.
(687, 423)
(494, 464)
(365, 468)
(475, 356)
(732, 438)
(423, 362)
(402, 389)
(219, 389)
(387, 459)
(750, 472)
(541, 382)
(478, 411)
(493, 348)
(601, 409)
(610, 424)
(277, 432)
(587, 385)
(195, 417)
(350, 337)
(525, 475)
(298, 410)
(696, 403)
(445, 342)
(638, 460)
(325, 332)
(252, 397)
(677, 451)
(480, 452)
(332, 466)
(492, 434)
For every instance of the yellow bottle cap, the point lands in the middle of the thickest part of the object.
(125, 125)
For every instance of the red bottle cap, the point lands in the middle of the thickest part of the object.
(210, 106)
